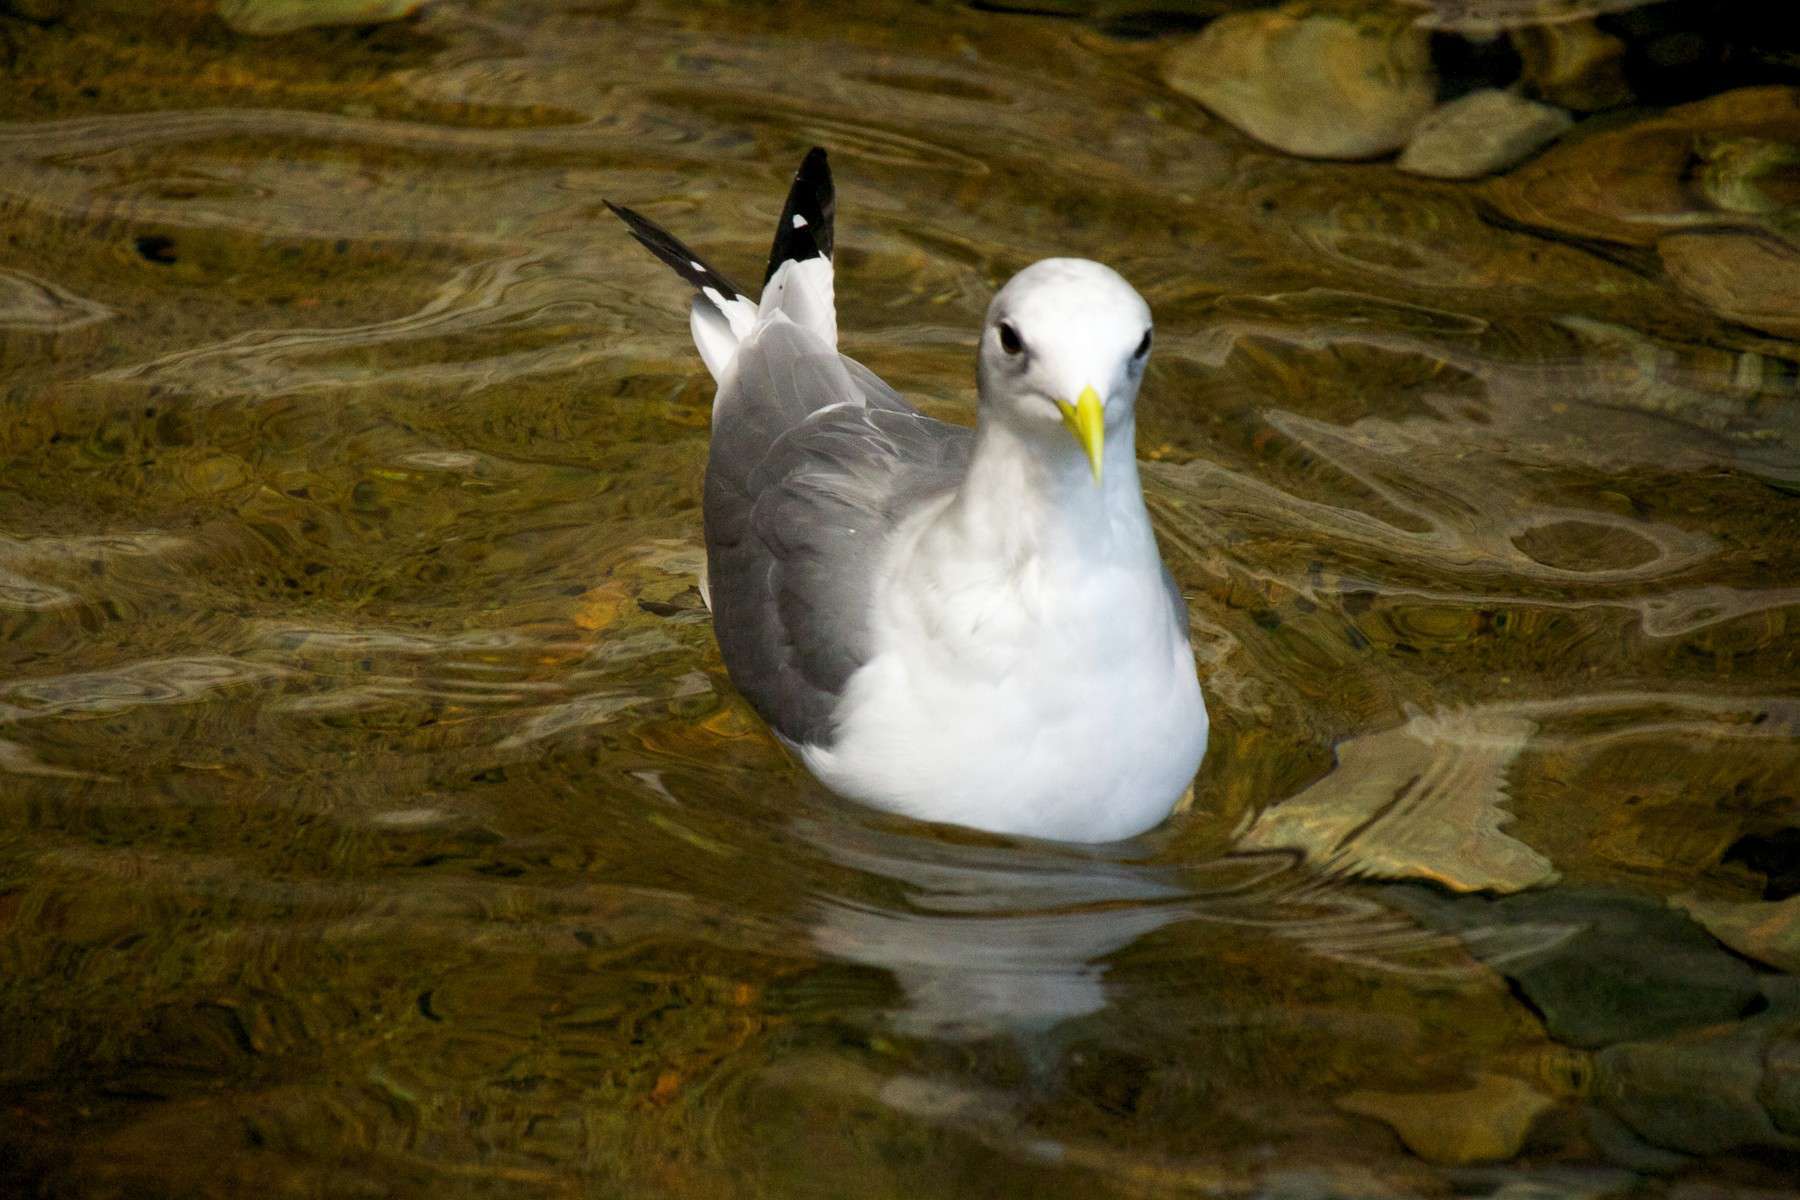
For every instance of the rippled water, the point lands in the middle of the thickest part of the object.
(376, 817)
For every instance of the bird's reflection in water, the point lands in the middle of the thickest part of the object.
(987, 939)
(974, 976)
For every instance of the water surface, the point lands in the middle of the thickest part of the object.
(376, 818)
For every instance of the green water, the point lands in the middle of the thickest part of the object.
(376, 818)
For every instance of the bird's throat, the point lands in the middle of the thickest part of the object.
(1036, 494)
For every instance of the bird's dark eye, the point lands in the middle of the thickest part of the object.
(1143, 346)
(1009, 338)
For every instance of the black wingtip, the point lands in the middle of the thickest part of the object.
(673, 252)
(806, 220)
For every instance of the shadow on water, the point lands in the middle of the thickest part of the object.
(376, 817)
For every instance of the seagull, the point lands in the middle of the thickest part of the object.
(966, 626)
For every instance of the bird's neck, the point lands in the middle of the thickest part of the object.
(1033, 494)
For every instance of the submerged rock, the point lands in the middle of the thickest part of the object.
(1484, 1123)
(1714, 186)
(286, 16)
(1315, 84)
(1710, 1091)
(1607, 967)
(1767, 931)
(1480, 133)
(1637, 183)
(1750, 278)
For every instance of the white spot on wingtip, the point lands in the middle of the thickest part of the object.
(696, 264)
(799, 221)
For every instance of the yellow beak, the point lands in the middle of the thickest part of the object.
(1088, 423)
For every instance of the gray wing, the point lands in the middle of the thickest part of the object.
(814, 462)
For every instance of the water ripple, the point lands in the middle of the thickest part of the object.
(156, 681)
(38, 306)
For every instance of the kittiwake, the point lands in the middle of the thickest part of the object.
(971, 626)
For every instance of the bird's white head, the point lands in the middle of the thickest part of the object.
(1064, 348)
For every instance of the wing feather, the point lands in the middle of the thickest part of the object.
(814, 462)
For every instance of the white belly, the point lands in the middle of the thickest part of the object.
(1079, 720)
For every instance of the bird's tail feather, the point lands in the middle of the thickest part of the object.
(798, 281)
(676, 254)
(722, 312)
(797, 284)
(805, 228)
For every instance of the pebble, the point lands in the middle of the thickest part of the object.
(1312, 83)
(1484, 1123)
(1752, 278)
(1481, 133)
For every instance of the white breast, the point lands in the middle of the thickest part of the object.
(1023, 699)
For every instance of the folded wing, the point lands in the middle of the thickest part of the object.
(814, 462)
